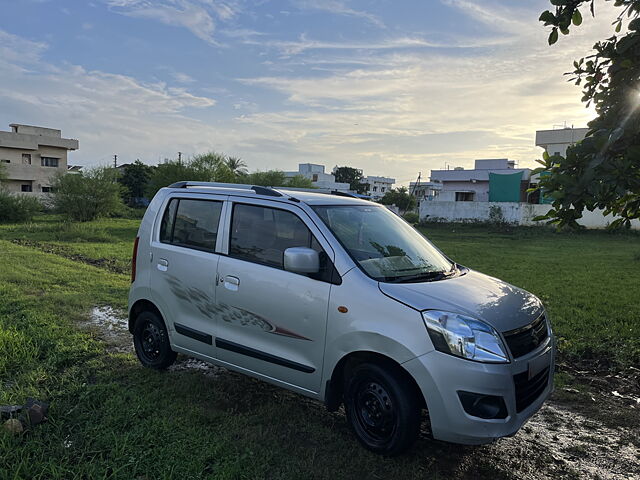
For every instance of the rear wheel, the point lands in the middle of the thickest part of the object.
(151, 341)
(382, 408)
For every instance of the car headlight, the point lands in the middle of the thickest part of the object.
(464, 337)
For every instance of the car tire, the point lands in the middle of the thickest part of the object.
(151, 341)
(383, 408)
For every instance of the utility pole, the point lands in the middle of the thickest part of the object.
(179, 158)
(115, 161)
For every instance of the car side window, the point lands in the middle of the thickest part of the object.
(262, 234)
(191, 223)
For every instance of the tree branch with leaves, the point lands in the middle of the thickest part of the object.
(602, 171)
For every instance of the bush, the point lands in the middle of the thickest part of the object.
(412, 217)
(88, 195)
(18, 208)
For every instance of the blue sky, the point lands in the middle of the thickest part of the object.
(393, 87)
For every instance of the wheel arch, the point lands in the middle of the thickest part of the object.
(335, 384)
(140, 306)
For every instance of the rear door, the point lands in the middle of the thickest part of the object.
(271, 321)
(184, 268)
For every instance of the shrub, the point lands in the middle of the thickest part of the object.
(412, 217)
(18, 208)
(88, 195)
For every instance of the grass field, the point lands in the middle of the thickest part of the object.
(110, 418)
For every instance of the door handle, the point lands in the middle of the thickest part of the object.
(163, 264)
(231, 283)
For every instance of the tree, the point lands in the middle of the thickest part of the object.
(269, 178)
(134, 179)
(236, 165)
(602, 171)
(400, 197)
(87, 195)
(352, 176)
(299, 181)
(206, 167)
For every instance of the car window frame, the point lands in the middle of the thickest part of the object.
(205, 198)
(336, 278)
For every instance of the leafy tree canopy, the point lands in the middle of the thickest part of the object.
(352, 176)
(134, 178)
(602, 171)
(400, 197)
(87, 195)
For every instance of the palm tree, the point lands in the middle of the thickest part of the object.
(236, 165)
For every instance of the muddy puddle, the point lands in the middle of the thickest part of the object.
(561, 441)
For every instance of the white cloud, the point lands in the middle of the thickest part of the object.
(195, 15)
(338, 8)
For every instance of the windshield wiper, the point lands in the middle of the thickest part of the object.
(424, 276)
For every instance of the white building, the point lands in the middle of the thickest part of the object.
(462, 185)
(318, 177)
(555, 142)
(378, 186)
(32, 156)
(425, 190)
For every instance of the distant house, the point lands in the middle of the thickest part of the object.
(492, 180)
(378, 186)
(425, 190)
(555, 142)
(32, 156)
(319, 177)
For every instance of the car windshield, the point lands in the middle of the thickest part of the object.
(387, 248)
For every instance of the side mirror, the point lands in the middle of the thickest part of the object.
(301, 260)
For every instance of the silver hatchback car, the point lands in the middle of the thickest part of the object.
(339, 299)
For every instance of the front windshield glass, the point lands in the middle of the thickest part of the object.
(386, 247)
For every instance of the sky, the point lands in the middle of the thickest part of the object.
(394, 87)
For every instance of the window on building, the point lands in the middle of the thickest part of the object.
(49, 161)
(46, 189)
(556, 153)
(26, 159)
(191, 223)
(314, 177)
(375, 189)
(464, 196)
(382, 189)
(26, 187)
(4, 160)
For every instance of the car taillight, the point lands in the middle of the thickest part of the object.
(133, 259)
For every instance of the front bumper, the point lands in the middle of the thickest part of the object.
(441, 377)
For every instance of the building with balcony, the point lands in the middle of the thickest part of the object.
(31, 157)
(378, 186)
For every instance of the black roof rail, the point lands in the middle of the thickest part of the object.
(258, 189)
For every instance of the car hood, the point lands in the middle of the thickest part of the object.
(503, 306)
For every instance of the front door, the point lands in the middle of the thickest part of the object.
(184, 268)
(271, 321)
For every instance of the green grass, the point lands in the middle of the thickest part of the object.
(110, 418)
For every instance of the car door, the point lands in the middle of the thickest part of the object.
(185, 262)
(271, 321)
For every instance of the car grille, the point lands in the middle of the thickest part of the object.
(526, 339)
(529, 389)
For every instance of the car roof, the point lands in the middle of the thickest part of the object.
(287, 194)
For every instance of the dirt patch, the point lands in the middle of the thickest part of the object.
(586, 432)
(105, 263)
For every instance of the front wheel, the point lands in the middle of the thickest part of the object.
(382, 408)
(151, 342)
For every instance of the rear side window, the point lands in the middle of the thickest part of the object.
(191, 223)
